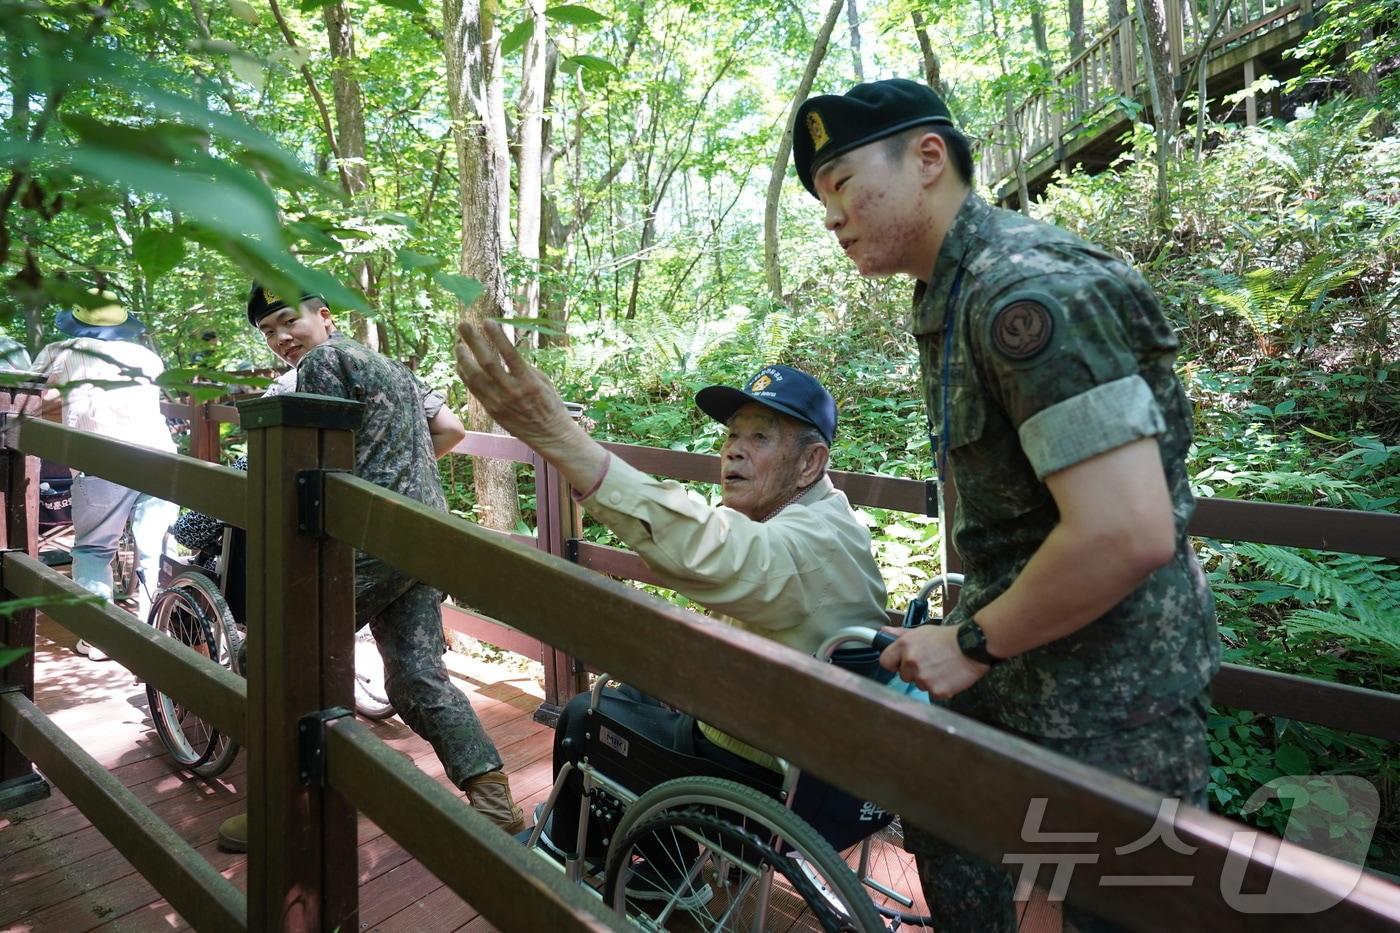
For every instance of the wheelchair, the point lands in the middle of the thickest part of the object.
(201, 604)
(687, 843)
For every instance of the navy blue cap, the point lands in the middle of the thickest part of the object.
(781, 388)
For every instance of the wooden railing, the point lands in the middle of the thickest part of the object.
(311, 765)
(1085, 90)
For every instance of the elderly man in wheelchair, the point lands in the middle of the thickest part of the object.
(641, 790)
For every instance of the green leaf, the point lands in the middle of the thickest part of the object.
(313, 234)
(409, 259)
(244, 11)
(466, 288)
(1290, 759)
(248, 70)
(1285, 406)
(591, 63)
(220, 200)
(408, 6)
(517, 36)
(574, 15)
(11, 655)
(311, 6)
(157, 251)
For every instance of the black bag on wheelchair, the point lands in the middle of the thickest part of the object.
(840, 817)
(55, 496)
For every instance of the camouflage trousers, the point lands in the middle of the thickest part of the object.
(405, 617)
(966, 893)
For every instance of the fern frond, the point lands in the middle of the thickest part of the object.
(1375, 634)
(1322, 579)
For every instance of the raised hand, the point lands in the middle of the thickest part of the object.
(520, 399)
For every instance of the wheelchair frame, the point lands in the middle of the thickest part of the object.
(832, 890)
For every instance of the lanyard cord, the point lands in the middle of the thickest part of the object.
(950, 310)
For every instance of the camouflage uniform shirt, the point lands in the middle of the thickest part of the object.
(1057, 352)
(393, 448)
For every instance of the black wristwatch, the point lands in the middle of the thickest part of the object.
(972, 641)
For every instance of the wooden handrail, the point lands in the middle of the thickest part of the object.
(1353, 709)
(216, 693)
(871, 740)
(184, 877)
(429, 821)
(206, 487)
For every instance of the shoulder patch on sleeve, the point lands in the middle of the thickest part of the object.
(1022, 328)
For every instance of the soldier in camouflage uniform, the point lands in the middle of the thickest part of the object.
(1085, 624)
(393, 449)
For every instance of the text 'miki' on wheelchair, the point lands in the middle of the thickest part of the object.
(202, 604)
(675, 842)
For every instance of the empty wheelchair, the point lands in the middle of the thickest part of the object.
(202, 605)
(676, 842)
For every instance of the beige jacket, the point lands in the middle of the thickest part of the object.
(796, 578)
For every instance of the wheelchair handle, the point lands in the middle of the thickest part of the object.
(854, 635)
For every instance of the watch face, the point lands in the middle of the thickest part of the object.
(971, 637)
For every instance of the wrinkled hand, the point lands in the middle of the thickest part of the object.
(929, 657)
(517, 395)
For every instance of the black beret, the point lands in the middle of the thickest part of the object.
(262, 302)
(831, 124)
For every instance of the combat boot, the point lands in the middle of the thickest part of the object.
(489, 795)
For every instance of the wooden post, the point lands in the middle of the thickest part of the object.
(204, 433)
(19, 532)
(1251, 105)
(558, 520)
(302, 851)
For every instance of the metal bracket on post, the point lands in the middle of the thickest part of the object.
(5, 430)
(571, 550)
(931, 498)
(311, 744)
(311, 498)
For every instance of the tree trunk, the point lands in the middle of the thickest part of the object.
(1153, 22)
(1076, 28)
(780, 158)
(350, 144)
(529, 200)
(1152, 18)
(349, 107)
(466, 38)
(1365, 85)
(853, 21)
(1042, 41)
(933, 69)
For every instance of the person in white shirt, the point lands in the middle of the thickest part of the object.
(106, 381)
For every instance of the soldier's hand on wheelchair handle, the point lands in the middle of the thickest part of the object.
(929, 658)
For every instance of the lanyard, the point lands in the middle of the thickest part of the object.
(950, 310)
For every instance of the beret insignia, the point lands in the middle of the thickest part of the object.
(1022, 329)
(816, 128)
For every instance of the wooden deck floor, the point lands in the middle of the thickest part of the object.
(59, 875)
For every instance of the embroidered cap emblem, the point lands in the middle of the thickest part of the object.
(759, 384)
(816, 128)
(1022, 329)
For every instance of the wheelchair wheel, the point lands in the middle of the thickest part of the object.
(192, 611)
(891, 877)
(125, 580)
(371, 696)
(709, 853)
